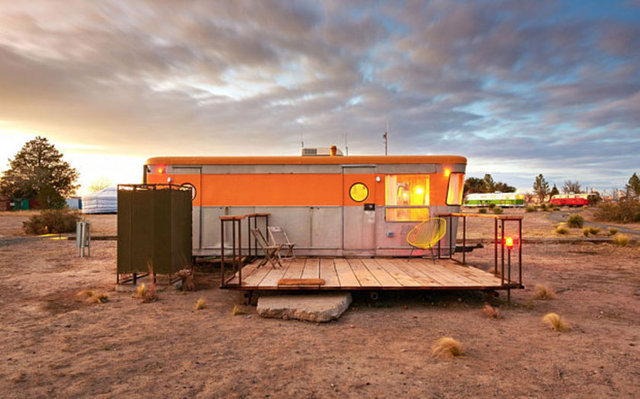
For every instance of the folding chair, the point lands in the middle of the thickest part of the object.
(427, 234)
(279, 237)
(271, 252)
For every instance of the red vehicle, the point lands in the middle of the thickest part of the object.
(573, 199)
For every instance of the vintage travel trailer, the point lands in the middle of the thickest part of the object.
(329, 205)
(508, 200)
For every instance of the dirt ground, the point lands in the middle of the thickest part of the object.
(52, 344)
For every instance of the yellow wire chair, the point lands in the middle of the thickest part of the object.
(426, 235)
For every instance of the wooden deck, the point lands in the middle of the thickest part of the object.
(368, 274)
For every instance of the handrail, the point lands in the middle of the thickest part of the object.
(236, 250)
(496, 237)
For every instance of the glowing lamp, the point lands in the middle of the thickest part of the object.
(160, 170)
(508, 241)
(419, 190)
(447, 172)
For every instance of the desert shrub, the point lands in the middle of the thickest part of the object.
(621, 240)
(200, 304)
(543, 292)
(497, 210)
(612, 231)
(623, 211)
(575, 221)
(590, 230)
(556, 322)
(492, 205)
(561, 230)
(482, 210)
(530, 208)
(93, 296)
(447, 347)
(52, 221)
(490, 311)
(238, 310)
(147, 294)
(543, 207)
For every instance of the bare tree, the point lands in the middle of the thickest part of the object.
(571, 187)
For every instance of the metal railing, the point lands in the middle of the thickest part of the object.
(498, 237)
(237, 260)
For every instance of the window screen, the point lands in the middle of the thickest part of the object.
(456, 185)
(407, 197)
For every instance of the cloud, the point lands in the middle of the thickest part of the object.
(499, 82)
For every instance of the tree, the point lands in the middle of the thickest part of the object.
(38, 171)
(474, 185)
(554, 191)
(504, 188)
(489, 183)
(541, 187)
(633, 186)
(100, 184)
(571, 187)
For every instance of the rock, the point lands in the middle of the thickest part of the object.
(315, 307)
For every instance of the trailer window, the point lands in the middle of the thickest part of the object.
(407, 197)
(456, 185)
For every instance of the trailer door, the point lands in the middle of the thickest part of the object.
(359, 212)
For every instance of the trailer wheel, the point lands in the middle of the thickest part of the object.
(374, 295)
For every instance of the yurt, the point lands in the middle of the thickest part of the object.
(104, 201)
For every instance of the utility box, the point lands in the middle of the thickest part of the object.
(154, 228)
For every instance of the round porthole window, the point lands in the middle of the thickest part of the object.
(194, 193)
(359, 192)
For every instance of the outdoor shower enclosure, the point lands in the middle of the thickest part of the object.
(154, 228)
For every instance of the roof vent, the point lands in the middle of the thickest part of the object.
(321, 152)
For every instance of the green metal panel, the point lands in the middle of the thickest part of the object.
(154, 227)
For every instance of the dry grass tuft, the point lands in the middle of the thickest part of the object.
(150, 295)
(612, 231)
(447, 347)
(556, 322)
(141, 290)
(561, 230)
(575, 221)
(543, 292)
(590, 231)
(93, 296)
(238, 310)
(200, 304)
(621, 240)
(147, 294)
(491, 312)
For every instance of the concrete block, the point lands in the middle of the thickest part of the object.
(313, 307)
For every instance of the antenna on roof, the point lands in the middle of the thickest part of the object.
(301, 139)
(385, 137)
(346, 143)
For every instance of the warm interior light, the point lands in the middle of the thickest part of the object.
(419, 190)
(447, 172)
(160, 170)
(508, 241)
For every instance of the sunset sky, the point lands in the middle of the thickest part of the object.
(519, 88)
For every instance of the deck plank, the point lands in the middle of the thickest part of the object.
(382, 275)
(271, 279)
(311, 268)
(438, 273)
(294, 271)
(409, 277)
(328, 273)
(254, 279)
(477, 275)
(363, 274)
(346, 276)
